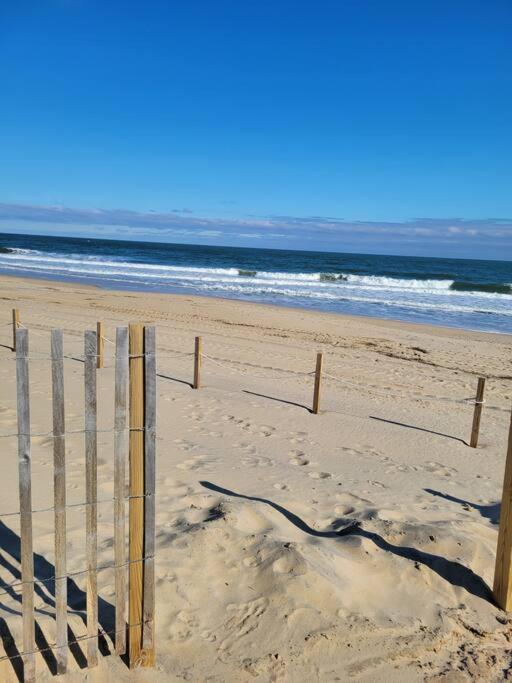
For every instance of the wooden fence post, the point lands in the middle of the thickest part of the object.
(120, 452)
(59, 496)
(100, 344)
(318, 380)
(502, 588)
(197, 362)
(15, 326)
(91, 484)
(477, 414)
(136, 516)
(141, 643)
(25, 488)
(148, 634)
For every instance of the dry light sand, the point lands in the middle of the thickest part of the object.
(256, 579)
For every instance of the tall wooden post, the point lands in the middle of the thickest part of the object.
(142, 363)
(91, 489)
(148, 630)
(101, 344)
(318, 381)
(136, 515)
(15, 326)
(477, 414)
(59, 497)
(25, 489)
(120, 451)
(197, 362)
(502, 589)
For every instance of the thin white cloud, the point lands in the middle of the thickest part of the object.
(495, 234)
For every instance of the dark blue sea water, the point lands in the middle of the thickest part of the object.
(469, 294)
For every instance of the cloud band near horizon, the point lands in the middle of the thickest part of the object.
(430, 236)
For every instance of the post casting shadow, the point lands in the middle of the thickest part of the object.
(175, 379)
(490, 512)
(420, 429)
(279, 400)
(453, 572)
(44, 572)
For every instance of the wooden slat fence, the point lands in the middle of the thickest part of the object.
(134, 432)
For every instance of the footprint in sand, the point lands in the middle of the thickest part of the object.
(439, 468)
(320, 475)
(257, 461)
(185, 445)
(300, 437)
(298, 458)
(196, 463)
(215, 435)
(244, 619)
(246, 447)
(258, 430)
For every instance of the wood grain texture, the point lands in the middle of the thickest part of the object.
(318, 383)
(197, 362)
(100, 345)
(120, 455)
(136, 515)
(148, 635)
(25, 492)
(477, 414)
(502, 588)
(15, 326)
(59, 497)
(91, 521)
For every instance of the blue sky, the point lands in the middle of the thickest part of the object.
(354, 125)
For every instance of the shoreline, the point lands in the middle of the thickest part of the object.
(372, 320)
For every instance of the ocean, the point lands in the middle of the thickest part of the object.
(469, 294)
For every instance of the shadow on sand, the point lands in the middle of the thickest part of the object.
(44, 589)
(455, 573)
(279, 400)
(419, 429)
(490, 512)
(175, 379)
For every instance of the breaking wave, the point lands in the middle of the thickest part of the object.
(330, 290)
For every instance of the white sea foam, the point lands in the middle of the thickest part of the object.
(328, 289)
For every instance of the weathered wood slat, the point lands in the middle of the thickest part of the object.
(120, 454)
(148, 636)
(197, 362)
(91, 522)
(503, 570)
(136, 516)
(25, 492)
(477, 414)
(59, 495)
(100, 344)
(15, 326)
(318, 380)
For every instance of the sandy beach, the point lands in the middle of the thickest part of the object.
(357, 544)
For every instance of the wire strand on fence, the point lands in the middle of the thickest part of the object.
(69, 432)
(215, 361)
(100, 501)
(74, 641)
(229, 365)
(71, 574)
(417, 397)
